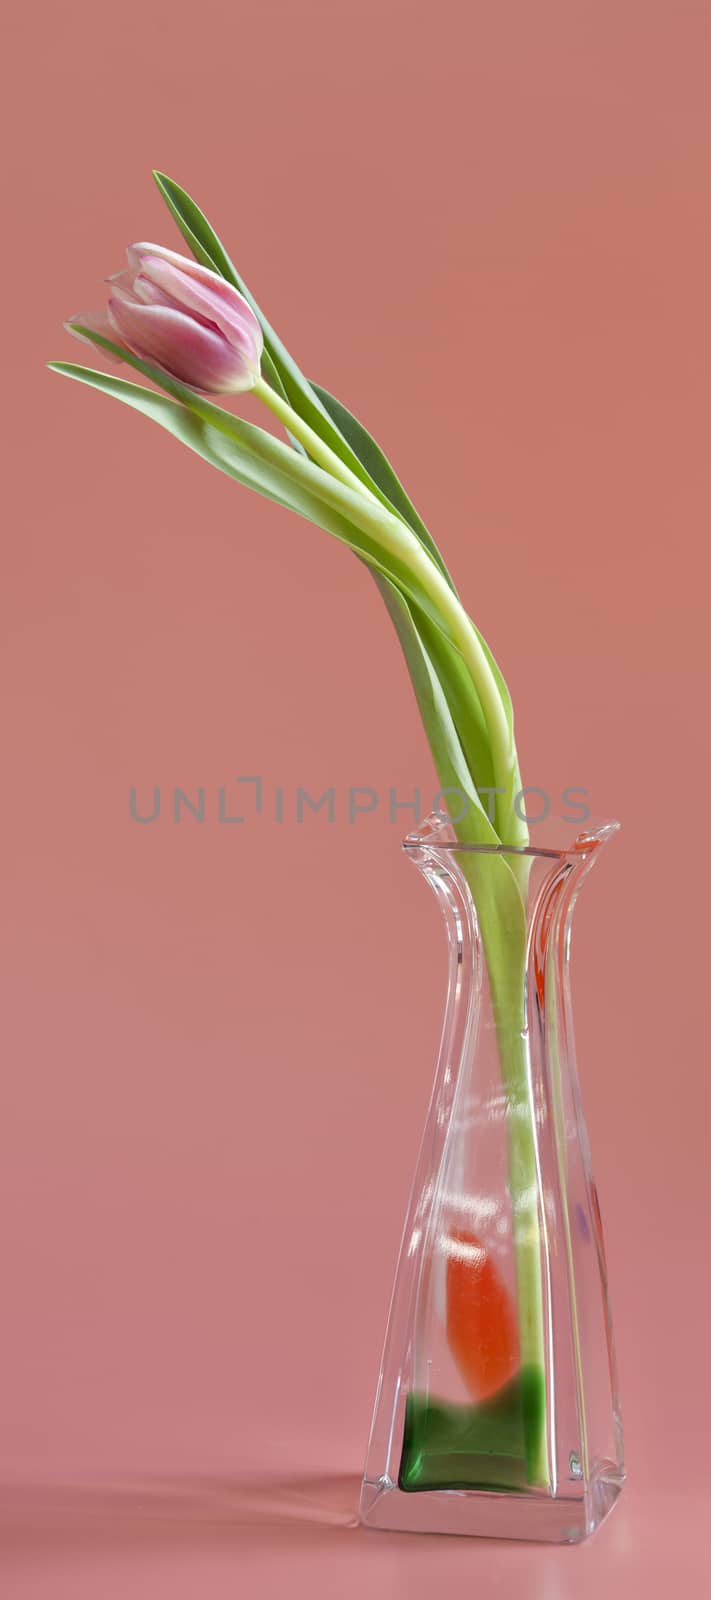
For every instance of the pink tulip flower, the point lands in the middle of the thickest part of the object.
(183, 318)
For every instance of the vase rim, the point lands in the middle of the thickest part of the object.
(437, 832)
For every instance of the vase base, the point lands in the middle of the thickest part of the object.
(487, 1514)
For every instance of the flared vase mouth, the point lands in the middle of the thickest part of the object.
(555, 839)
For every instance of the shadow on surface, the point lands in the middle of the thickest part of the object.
(51, 1521)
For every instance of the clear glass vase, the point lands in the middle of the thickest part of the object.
(497, 1411)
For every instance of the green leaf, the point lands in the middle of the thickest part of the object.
(445, 662)
(328, 416)
(196, 231)
(269, 372)
(381, 476)
(267, 465)
(380, 472)
(209, 249)
(455, 681)
(462, 700)
(425, 665)
(334, 424)
(437, 671)
(492, 877)
(350, 440)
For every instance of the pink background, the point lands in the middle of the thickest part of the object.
(486, 228)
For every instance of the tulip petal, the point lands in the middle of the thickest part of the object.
(97, 321)
(235, 320)
(144, 292)
(180, 345)
(136, 254)
(197, 289)
(122, 280)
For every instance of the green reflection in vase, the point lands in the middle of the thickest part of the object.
(489, 1445)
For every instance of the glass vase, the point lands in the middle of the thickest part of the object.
(496, 1411)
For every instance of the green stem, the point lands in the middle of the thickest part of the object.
(307, 436)
(375, 518)
(498, 887)
(502, 924)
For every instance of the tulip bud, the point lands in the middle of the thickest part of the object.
(184, 319)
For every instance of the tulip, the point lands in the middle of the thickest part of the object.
(194, 326)
(183, 318)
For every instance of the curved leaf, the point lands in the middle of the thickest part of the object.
(209, 249)
(267, 465)
(334, 424)
(455, 680)
(380, 472)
